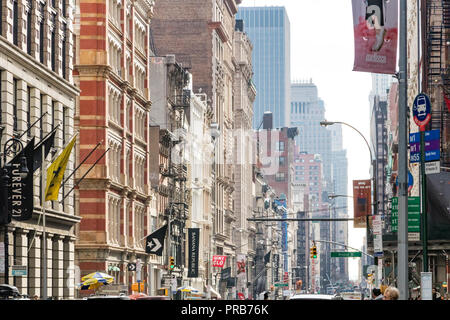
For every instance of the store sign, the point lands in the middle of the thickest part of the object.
(194, 237)
(361, 202)
(219, 261)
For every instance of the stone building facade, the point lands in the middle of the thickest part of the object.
(36, 81)
(112, 70)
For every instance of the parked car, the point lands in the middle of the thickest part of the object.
(8, 292)
(107, 298)
(316, 297)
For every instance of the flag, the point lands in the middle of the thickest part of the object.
(47, 143)
(267, 258)
(155, 241)
(56, 170)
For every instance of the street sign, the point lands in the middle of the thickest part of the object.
(413, 214)
(341, 254)
(422, 110)
(432, 146)
(281, 284)
(18, 271)
(432, 167)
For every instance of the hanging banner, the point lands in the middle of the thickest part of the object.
(375, 24)
(20, 189)
(241, 273)
(361, 202)
(194, 236)
(154, 243)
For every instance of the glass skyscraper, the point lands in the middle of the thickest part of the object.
(269, 31)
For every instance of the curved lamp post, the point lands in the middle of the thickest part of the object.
(375, 200)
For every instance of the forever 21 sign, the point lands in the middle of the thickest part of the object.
(20, 190)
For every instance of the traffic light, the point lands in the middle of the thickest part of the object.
(171, 263)
(313, 252)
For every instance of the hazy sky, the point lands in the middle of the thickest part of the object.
(322, 49)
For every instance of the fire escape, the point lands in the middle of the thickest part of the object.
(178, 208)
(437, 70)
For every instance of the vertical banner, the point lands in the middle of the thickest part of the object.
(361, 202)
(20, 189)
(194, 236)
(276, 265)
(375, 24)
(241, 273)
(154, 243)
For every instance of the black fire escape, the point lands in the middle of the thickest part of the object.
(437, 70)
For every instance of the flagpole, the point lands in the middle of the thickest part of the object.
(44, 234)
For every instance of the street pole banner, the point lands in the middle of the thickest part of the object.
(375, 25)
(241, 273)
(20, 189)
(361, 202)
(155, 241)
(194, 237)
(276, 265)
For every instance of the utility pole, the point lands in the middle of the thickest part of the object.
(402, 159)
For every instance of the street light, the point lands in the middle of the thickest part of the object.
(375, 200)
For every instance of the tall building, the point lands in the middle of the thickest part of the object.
(200, 34)
(269, 30)
(307, 110)
(36, 51)
(112, 71)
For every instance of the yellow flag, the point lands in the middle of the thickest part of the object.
(56, 170)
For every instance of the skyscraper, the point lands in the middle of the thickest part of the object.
(269, 31)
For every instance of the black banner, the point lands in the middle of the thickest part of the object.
(20, 190)
(155, 242)
(225, 274)
(267, 258)
(438, 206)
(194, 237)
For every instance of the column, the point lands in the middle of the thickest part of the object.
(34, 263)
(7, 104)
(70, 280)
(58, 119)
(57, 266)
(48, 270)
(20, 258)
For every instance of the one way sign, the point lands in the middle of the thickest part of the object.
(155, 241)
(132, 267)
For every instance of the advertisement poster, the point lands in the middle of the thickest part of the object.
(361, 202)
(375, 24)
(219, 261)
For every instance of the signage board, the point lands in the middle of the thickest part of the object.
(344, 254)
(432, 167)
(361, 202)
(18, 271)
(219, 261)
(432, 146)
(413, 214)
(194, 237)
(2, 257)
(426, 284)
(422, 110)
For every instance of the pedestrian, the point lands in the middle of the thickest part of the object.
(376, 294)
(391, 293)
(35, 297)
(436, 294)
(266, 296)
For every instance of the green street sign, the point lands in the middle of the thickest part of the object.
(341, 254)
(413, 214)
(281, 284)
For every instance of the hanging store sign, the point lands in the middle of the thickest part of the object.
(194, 237)
(375, 26)
(361, 202)
(219, 261)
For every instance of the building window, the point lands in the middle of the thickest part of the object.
(41, 33)
(28, 111)
(15, 25)
(280, 146)
(29, 15)
(282, 161)
(53, 43)
(279, 177)
(15, 106)
(63, 50)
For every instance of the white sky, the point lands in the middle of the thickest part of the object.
(322, 49)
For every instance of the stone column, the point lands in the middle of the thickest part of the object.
(7, 104)
(48, 271)
(34, 263)
(70, 280)
(57, 266)
(22, 107)
(20, 258)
